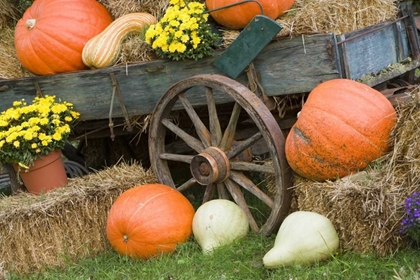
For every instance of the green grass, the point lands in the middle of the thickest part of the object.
(240, 261)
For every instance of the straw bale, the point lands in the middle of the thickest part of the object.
(8, 13)
(118, 8)
(134, 49)
(366, 208)
(336, 16)
(328, 16)
(10, 66)
(64, 224)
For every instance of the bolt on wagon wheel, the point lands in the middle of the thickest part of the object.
(221, 164)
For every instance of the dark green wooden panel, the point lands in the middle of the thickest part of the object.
(250, 42)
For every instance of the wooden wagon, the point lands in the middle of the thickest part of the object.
(229, 133)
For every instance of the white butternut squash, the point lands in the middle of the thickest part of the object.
(303, 237)
(103, 50)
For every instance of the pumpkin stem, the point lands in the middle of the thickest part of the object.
(125, 238)
(30, 23)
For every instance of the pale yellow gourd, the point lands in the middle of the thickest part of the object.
(304, 237)
(219, 222)
(103, 50)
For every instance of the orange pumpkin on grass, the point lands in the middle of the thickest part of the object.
(50, 37)
(342, 127)
(238, 16)
(149, 220)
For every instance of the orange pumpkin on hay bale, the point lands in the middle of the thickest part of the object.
(342, 127)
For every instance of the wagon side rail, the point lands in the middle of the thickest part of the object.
(381, 52)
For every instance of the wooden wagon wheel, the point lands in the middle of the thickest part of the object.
(217, 163)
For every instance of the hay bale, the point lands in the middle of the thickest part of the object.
(8, 13)
(64, 224)
(10, 66)
(118, 8)
(336, 16)
(367, 208)
(328, 16)
(134, 49)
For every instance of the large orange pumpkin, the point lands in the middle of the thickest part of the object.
(342, 127)
(238, 16)
(149, 220)
(50, 37)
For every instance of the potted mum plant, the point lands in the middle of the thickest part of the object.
(32, 137)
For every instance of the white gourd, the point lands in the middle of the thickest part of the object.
(217, 223)
(303, 237)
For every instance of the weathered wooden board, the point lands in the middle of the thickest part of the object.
(141, 85)
(297, 65)
(283, 67)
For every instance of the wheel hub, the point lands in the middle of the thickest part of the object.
(210, 166)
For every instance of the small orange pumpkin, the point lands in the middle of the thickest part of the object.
(149, 220)
(342, 127)
(238, 16)
(50, 37)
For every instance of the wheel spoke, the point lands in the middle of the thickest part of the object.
(238, 196)
(244, 145)
(191, 141)
(209, 192)
(247, 184)
(175, 157)
(231, 128)
(215, 130)
(222, 191)
(200, 128)
(186, 185)
(251, 167)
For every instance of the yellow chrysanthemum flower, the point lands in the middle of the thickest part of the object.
(180, 47)
(57, 136)
(16, 144)
(28, 136)
(11, 138)
(3, 123)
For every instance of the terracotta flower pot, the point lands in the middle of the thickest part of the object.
(46, 174)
